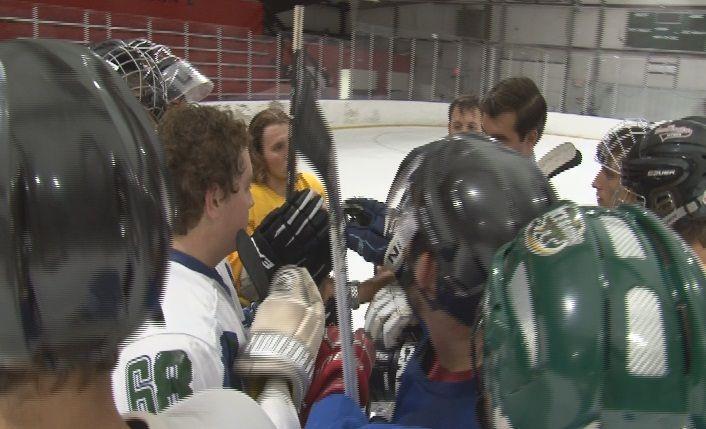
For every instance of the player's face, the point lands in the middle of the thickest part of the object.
(275, 147)
(237, 204)
(609, 191)
(502, 128)
(464, 121)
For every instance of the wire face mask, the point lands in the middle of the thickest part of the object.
(612, 149)
(139, 70)
(182, 80)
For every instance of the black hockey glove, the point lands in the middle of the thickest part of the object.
(297, 233)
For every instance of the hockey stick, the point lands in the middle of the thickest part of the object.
(561, 158)
(297, 81)
(313, 140)
(252, 261)
(311, 137)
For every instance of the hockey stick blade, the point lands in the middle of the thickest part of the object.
(561, 158)
(252, 263)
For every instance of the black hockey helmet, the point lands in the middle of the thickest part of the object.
(84, 229)
(468, 196)
(668, 169)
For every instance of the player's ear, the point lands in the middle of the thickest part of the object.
(531, 138)
(425, 272)
(213, 198)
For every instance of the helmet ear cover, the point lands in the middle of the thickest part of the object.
(668, 169)
(657, 179)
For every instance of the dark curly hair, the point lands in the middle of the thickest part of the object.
(203, 147)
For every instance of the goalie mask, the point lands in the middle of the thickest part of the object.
(182, 81)
(139, 71)
(84, 230)
(668, 169)
(467, 196)
(594, 318)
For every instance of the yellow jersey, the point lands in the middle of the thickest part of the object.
(264, 201)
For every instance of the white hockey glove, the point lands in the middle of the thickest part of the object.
(388, 315)
(286, 333)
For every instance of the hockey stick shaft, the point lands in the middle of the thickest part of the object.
(311, 138)
(297, 81)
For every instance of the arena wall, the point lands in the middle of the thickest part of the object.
(383, 113)
(582, 131)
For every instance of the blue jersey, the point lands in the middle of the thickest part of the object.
(420, 403)
(434, 404)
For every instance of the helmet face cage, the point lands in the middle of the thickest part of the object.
(618, 142)
(161, 55)
(183, 81)
(614, 147)
(140, 72)
(162, 58)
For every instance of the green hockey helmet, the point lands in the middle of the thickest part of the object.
(595, 318)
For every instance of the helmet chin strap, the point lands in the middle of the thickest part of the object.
(687, 209)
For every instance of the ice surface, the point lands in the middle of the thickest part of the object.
(368, 159)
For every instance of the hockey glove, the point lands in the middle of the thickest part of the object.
(286, 333)
(388, 315)
(365, 228)
(328, 376)
(297, 233)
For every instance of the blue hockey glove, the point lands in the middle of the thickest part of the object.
(365, 225)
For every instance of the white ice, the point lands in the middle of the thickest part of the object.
(368, 159)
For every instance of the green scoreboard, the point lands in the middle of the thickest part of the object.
(679, 31)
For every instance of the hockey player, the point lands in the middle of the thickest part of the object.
(200, 343)
(85, 236)
(590, 318)
(611, 151)
(464, 115)
(515, 113)
(467, 197)
(667, 171)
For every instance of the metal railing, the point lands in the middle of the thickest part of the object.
(383, 63)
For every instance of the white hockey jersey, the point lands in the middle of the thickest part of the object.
(213, 409)
(191, 350)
